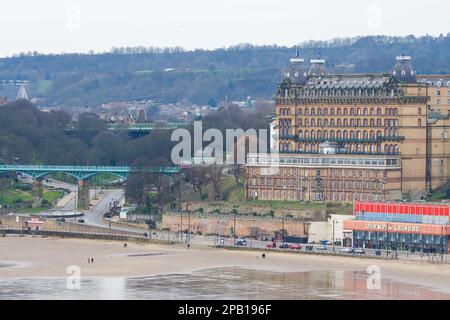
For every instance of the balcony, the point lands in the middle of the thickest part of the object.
(343, 152)
(348, 140)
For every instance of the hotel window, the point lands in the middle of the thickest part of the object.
(313, 111)
(352, 111)
(379, 111)
(438, 92)
(419, 122)
(419, 111)
(438, 101)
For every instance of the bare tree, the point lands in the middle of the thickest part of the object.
(197, 177)
(215, 173)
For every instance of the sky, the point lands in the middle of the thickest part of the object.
(56, 26)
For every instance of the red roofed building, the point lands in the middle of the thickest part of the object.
(401, 226)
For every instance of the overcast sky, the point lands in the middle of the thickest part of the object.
(80, 25)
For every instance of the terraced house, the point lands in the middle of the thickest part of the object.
(345, 137)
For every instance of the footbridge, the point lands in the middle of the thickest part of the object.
(138, 129)
(81, 173)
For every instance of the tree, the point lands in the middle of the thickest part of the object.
(197, 177)
(215, 174)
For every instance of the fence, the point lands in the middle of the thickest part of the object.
(338, 251)
(122, 236)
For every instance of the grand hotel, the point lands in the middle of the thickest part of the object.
(346, 137)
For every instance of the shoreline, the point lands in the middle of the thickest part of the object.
(49, 258)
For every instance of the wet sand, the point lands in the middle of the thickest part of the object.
(23, 257)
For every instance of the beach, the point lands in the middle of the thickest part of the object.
(34, 257)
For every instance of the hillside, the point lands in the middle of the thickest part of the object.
(173, 75)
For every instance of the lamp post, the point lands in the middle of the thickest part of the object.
(189, 227)
(234, 226)
(334, 222)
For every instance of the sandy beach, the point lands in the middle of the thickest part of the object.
(23, 257)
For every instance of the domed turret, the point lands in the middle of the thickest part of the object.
(317, 67)
(403, 70)
(297, 72)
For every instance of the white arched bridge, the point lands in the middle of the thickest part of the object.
(81, 173)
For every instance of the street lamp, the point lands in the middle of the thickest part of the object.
(334, 222)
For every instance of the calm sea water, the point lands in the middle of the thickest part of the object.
(219, 283)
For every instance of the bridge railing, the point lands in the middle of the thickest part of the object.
(122, 169)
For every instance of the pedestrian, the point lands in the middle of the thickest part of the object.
(188, 245)
(92, 260)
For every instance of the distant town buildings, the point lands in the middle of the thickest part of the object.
(3, 101)
(345, 137)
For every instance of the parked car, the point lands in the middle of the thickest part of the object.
(321, 248)
(60, 219)
(80, 220)
(146, 234)
(283, 246)
(241, 243)
(346, 250)
(295, 246)
(359, 251)
(271, 245)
